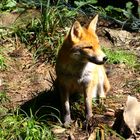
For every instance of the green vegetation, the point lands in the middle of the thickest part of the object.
(2, 62)
(121, 56)
(3, 97)
(43, 35)
(8, 4)
(14, 127)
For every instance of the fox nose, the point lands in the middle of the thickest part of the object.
(105, 58)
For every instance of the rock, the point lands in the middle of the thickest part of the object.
(132, 113)
(119, 37)
(127, 121)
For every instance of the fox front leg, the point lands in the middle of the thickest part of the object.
(88, 107)
(66, 108)
(88, 104)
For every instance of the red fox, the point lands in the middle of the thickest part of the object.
(79, 68)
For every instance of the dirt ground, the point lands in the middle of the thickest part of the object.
(24, 79)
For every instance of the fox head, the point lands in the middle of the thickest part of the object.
(85, 43)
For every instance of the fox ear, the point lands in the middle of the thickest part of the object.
(76, 32)
(93, 24)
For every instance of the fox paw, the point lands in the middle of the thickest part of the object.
(67, 123)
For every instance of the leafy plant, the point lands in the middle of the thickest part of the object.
(114, 12)
(85, 2)
(8, 4)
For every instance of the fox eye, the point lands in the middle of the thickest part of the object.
(88, 47)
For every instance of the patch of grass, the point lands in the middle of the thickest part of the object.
(3, 97)
(3, 58)
(44, 35)
(2, 62)
(15, 126)
(3, 100)
(121, 56)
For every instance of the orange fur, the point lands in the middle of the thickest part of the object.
(79, 68)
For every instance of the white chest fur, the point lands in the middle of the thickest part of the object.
(86, 74)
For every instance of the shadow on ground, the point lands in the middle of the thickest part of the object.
(44, 106)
